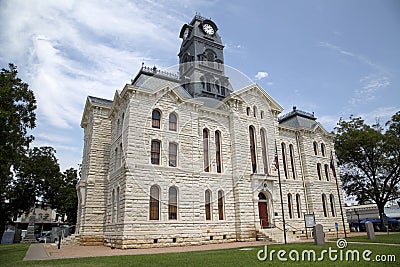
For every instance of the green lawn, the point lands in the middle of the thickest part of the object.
(12, 255)
(392, 238)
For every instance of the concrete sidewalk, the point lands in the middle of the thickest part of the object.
(36, 252)
(50, 251)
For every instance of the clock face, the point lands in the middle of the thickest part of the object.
(207, 28)
(186, 33)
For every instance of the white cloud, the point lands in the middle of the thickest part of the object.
(261, 75)
(370, 86)
(381, 115)
(374, 82)
(328, 121)
(66, 50)
(336, 48)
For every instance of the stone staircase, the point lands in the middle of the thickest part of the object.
(70, 240)
(275, 235)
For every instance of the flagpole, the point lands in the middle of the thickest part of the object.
(280, 190)
(338, 192)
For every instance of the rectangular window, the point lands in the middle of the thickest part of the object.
(172, 122)
(155, 152)
(220, 205)
(205, 150)
(218, 150)
(208, 205)
(173, 154)
(154, 203)
(172, 204)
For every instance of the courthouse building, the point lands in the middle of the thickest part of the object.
(187, 158)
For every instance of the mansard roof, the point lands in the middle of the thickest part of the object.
(100, 101)
(298, 119)
(154, 79)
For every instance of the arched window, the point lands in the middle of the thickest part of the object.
(323, 153)
(154, 203)
(290, 205)
(262, 114)
(220, 205)
(319, 171)
(291, 153)
(205, 151)
(118, 127)
(248, 111)
(332, 200)
(173, 203)
(156, 119)
(326, 172)
(217, 87)
(284, 160)
(315, 148)
(173, 154)
(324, 205)
(253, 150)
(116, 158)
(173, 121)
(264, 150)
(120, 155)
(298, 204)
(208, 204)
(112, 205)
(218, 150)
(117, 205)
(255, 111)
(155, 152)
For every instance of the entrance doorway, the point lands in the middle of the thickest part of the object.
(263, 210)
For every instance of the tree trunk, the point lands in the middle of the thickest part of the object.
(381, 210)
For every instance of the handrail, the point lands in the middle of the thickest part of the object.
(297, 229)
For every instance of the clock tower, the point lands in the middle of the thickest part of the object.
(201, 60)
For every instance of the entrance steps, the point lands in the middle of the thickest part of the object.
(70, 240)
(275, 235)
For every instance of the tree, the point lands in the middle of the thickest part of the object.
(17, 116)
(67, 199)
(37, 179)
(369, 160)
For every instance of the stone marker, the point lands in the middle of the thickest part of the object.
(370, 230)
(30, 233)
(319, 235)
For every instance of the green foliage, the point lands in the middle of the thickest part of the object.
(28, 175)
(369, 159)
(17, 116)
(67, 199)
(38, 177)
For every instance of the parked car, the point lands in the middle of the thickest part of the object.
(392, 223)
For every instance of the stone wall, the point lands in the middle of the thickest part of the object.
(118, 174)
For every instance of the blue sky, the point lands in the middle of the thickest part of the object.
(334, 58)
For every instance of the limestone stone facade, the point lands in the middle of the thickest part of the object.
(164, 168)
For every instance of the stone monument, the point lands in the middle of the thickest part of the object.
(369, 227)
(30, 233)
(319, 235)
